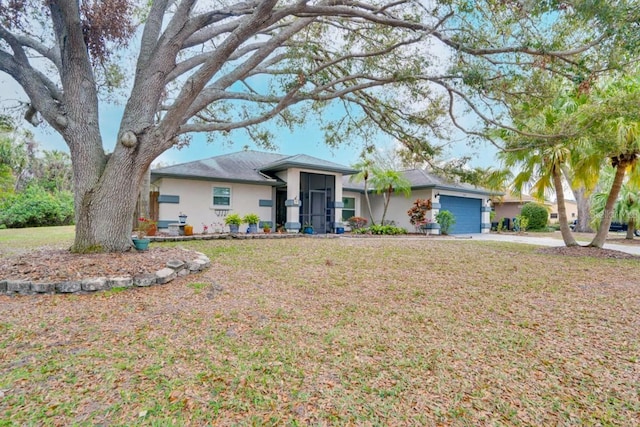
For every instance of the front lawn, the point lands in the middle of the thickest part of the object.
(370, 331)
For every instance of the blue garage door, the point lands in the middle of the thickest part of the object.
(467, 212)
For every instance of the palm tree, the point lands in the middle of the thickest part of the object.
(543, 167)
(364, 167)
(627, 207)
(541, 160)
(614, 112)
(386, 182)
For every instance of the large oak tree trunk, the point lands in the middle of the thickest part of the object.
(104, 210)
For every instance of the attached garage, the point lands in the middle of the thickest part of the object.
(466, 211)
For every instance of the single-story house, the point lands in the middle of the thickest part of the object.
(510, 206)
(291, 191)
(469, 204)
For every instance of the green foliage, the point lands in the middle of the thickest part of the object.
(446, 220)
(35, 207)
(523, 222)
(251, 218)
(418, 212)
(233, 219)
(536, 214)
(356, 222)
(390, 230)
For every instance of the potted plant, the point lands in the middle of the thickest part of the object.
(253, 220)
(266, 227)
(233, 221)
(146, 227)
(307, 228)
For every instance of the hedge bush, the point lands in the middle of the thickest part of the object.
(35, 207)
(381, 229)
(446, 220)
(537, 214)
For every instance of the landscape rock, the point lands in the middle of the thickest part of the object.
(165, 275)
(18, 287)
(144, 280)
(95, 284)
(175, 264)
(69, 287)
(42, 288)
(120, 282)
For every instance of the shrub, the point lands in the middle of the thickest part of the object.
(356, 222)
(537, 215)
(446, 221)
(251, 218)
(35, 207)
(381, 229)
(418, 212)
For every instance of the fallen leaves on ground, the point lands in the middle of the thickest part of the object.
(336, 332)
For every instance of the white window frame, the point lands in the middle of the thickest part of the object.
(345, 209)
(213, 196)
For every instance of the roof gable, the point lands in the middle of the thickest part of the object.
(421, 179)
(246, 166)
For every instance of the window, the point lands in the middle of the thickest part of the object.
(554, 216)
(221, 196)
(349, 208)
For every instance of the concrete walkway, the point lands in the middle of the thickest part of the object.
(542, 241)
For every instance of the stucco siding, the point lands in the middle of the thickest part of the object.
(196, 201)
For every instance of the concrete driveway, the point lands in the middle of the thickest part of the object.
(542, 241)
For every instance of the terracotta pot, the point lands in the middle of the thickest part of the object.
(153, 229)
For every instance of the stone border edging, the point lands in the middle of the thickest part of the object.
(174, 268)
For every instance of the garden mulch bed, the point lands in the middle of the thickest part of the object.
(586, 251)
(54, 265)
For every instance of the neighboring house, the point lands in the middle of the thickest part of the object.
(509, 206)
(468, 204)
(287, 191)
(572, 211)
(291, 191)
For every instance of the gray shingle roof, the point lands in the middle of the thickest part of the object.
(246, 166)
(421, 179)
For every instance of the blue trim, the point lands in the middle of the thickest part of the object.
(336, 205)
(485, 226)
(486, 209)
(261, 224)
(163, 223)
(435, 205)
(292, 202)
(167, 198)
(265, 203)
(432, 226)
(292, 226)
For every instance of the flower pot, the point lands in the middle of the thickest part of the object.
(253, 228)
(152, 230)
(233, 228)
(307, 230)
(188, 230)
(141, 244)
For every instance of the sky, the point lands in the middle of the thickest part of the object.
(307, 140)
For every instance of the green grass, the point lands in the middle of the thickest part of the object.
(336, 332)
(16, 240)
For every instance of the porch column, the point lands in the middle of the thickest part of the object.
(433, 227)
(293, 201)
(486, 216)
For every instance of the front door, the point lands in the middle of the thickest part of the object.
(318, 210)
